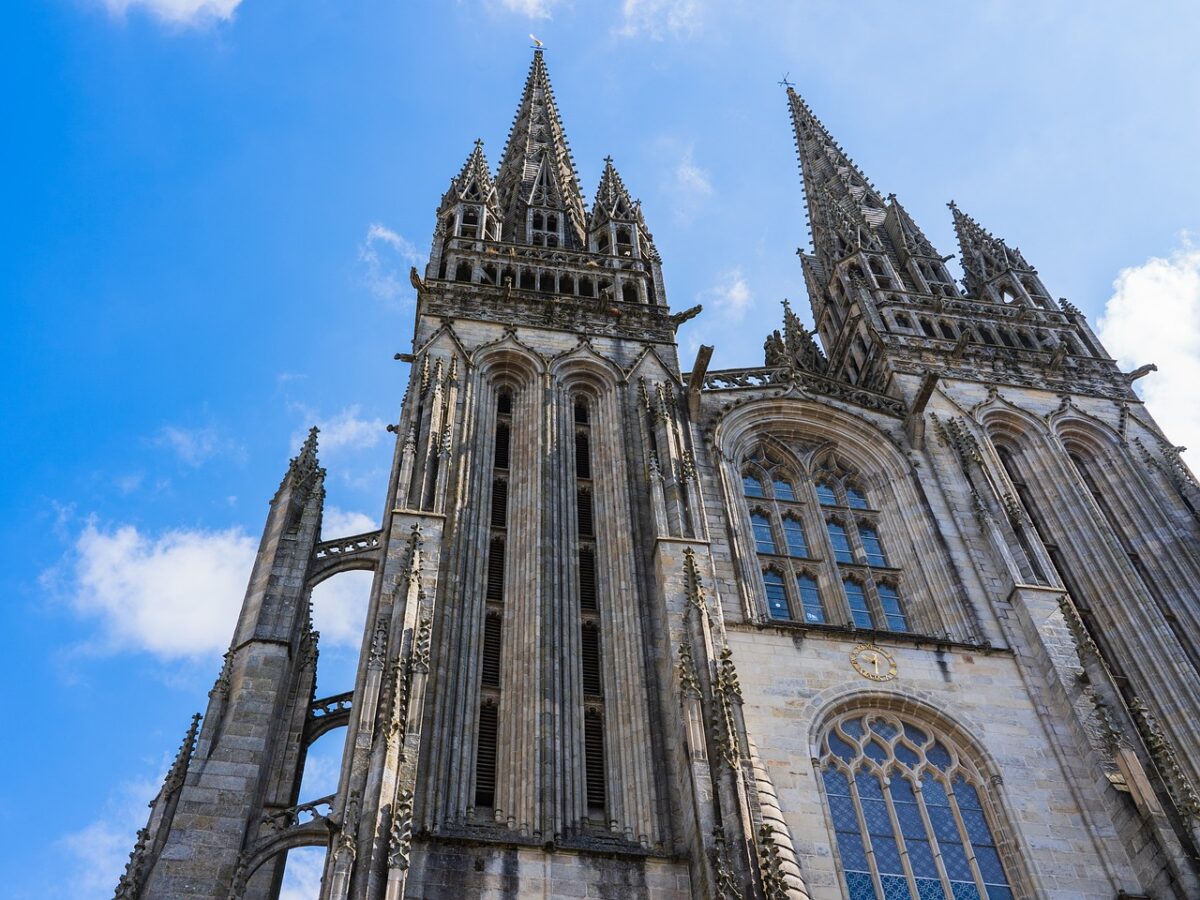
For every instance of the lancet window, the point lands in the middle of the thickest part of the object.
(777, 515)
(868, 580)
(590, 638)
(491, 639)
(910, 811)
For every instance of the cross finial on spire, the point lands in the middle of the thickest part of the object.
(783, 82)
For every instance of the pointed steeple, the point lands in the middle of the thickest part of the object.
(537, 169)
(612, 198)
(844, 209)
(991, 269)
(473, 183)
(471, 207)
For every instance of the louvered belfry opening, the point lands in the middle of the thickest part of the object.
(492, 639)
(590, 656)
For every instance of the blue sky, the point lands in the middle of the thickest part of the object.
(211, 210)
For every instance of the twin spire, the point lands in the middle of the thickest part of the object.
(847, 214)
(538, 173)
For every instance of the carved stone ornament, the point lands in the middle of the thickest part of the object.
(400, 835)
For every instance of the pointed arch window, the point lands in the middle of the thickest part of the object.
(810, 599)
(893, 612)
(777, 603)
(860, 611)
(783, 489)
(840, 542)
(856, 498)
(751, 486)
(908, 812)
(764, 540)
(871, 545)
(793, 533)
(826, 494)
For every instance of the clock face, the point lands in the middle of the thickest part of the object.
(873, 662)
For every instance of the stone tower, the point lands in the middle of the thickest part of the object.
(908, 612)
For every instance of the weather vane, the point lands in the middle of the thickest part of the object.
(783, 82)
(537, 45)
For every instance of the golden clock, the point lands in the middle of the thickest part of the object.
(873, 662)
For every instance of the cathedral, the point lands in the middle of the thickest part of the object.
(907, 610)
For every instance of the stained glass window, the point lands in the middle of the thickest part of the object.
(793, 533)
(922, 832)
(777, 604)
(871, 545)
(810, 599)
(783, 489)
(892, 611)
(751, 486)
(840, 541)
(764, 541)
(826, 494)
(858, 604)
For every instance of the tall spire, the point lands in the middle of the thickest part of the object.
(537, 168)
(844, 209)
(991, 269)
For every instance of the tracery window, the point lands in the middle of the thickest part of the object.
(909, 813)
(802, 568)
(777, 515)
(851, 523)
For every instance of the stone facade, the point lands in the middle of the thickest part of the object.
(909, 611)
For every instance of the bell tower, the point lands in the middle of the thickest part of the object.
(541, 702)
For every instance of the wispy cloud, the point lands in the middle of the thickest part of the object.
(731, 296)
(195, 446)
(341, 523)
(94, 856)
(178, 12)
(344, 430)
(690, 178)
(175, 595)
(659, 18)
(534, 9)
(386, 257)
(1154, 316)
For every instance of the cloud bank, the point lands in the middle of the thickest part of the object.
(178, 12)
(1153, 316)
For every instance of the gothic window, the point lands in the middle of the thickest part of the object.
(902, 321)
(856, 498)
(485, 756)
(927, 327)
(764, 541)
(629, 293)
(586, 289)
(810, 599)
(783, 489)
(826, 494)
(871, 546)
(840, 541)
(463, 271)
(893, 612)
(751, 486)
(793, 533)
(860, 612)
(908, 812)
(777, 603)
(947, 330)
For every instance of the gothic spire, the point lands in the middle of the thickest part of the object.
(473, 183)
(844, 209)
(612, 199)
(537, 168)
(906, 235)
(990, 266)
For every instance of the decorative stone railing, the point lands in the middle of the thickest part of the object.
(341, 547)
(330, 706)
(811, 382)
(298, 816)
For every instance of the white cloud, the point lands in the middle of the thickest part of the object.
(657, 18)
(340, 609)
(302, 874)
(534, 9)
(387, 257)
(1153, 316)
(95, 855)
(178, 12)
(340, 523)
(731, 296)
(345, 430)
(176, 595)
(195, 446)
(690, 178)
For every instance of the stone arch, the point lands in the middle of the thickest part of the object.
(316, 833)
